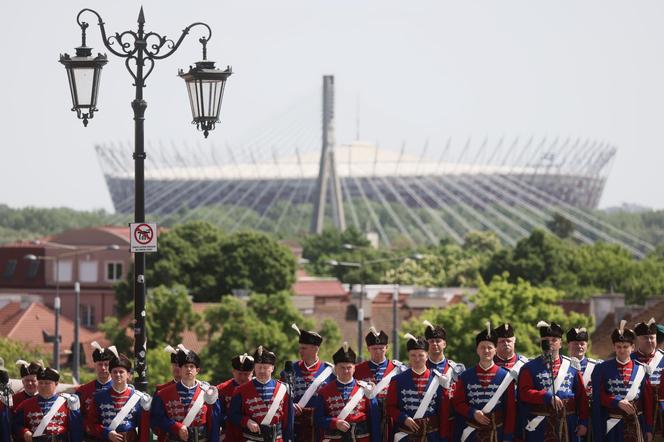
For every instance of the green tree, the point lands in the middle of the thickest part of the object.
(254, 261)
(235, 327)
(500, 301)
(560, 226)
(11, 351)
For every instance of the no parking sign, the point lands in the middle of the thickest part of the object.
(143, 237)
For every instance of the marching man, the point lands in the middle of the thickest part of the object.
(345, 409)
(188, 410)
(436, 337)
(379, 370)
(119, 413)
(648, 354)
(260, 407)
(48, 416)
(28, 372)
(243, 368)
(417, 400)
(621, 393)
(484, 396)
(101, 358)
(309, 374)
(552, 391)
(175, 368)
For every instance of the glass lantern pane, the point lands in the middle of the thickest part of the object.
(83, 79)
(95, 92)
(193, 99)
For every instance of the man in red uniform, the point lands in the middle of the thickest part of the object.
(48, 416)
(379, 370)
(101, 357)
(175, 372)
(648, 354)
(344, 407)
(175, 368)
(417, 399)
(260, 407)
(119, 413)
(188, 410)
(28, 373)
(484, 396)
(552, 392)
(621, 394)
(243, 368)
(309, 374)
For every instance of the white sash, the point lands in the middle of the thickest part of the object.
(587, 373)
(195, 408)
(304, 400)
(426, 400)
(276, 401)
(124, 411)
(654, 363)
(490, 405)
(49, 416)
(382, 385)
(631, 394)
(354, 400)
(562, 373)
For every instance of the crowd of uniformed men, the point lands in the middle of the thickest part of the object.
(504, 397)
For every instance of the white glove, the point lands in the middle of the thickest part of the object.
(211, 395)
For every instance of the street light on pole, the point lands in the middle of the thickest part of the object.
(205, 88)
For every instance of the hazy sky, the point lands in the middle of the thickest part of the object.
(422, 70)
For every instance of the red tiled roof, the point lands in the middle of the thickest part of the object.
(386, 298)
(319, 288)
(25, 324)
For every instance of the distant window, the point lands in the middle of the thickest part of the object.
(10, 268)
(64, 270)
(87, 271)
(87, 315)
(113, 271)
(33, 268)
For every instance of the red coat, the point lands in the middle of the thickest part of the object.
(29, 414)
(226, 391)
(363, 373)
(18, 398)
(247, 404)
(86, 391)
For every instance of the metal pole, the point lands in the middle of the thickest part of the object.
(77, 325)
(139, 105)
(56, 305)
(360, 321)
(395, 329)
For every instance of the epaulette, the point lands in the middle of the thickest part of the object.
(399, 365)
(328, 364)
(574, 362)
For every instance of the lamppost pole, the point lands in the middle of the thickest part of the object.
(56, 307)
(77, 326)
(395, 327)
(205, 86)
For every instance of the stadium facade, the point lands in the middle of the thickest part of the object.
(508, 187)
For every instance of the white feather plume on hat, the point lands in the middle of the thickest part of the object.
(488, 328)
(22, 363)
(409, 337)
(345, 346)
(373, 331)
(96, 346)
(171, 350)
(183, 348)
(543, 324)
(297, 330)
(651, 321)
(428, 324)
(114, 350)
(244, 357)
(259, 350)
(621, 328)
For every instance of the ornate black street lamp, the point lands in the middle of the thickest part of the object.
(140, 49)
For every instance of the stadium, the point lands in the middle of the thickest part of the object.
(293, 184)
